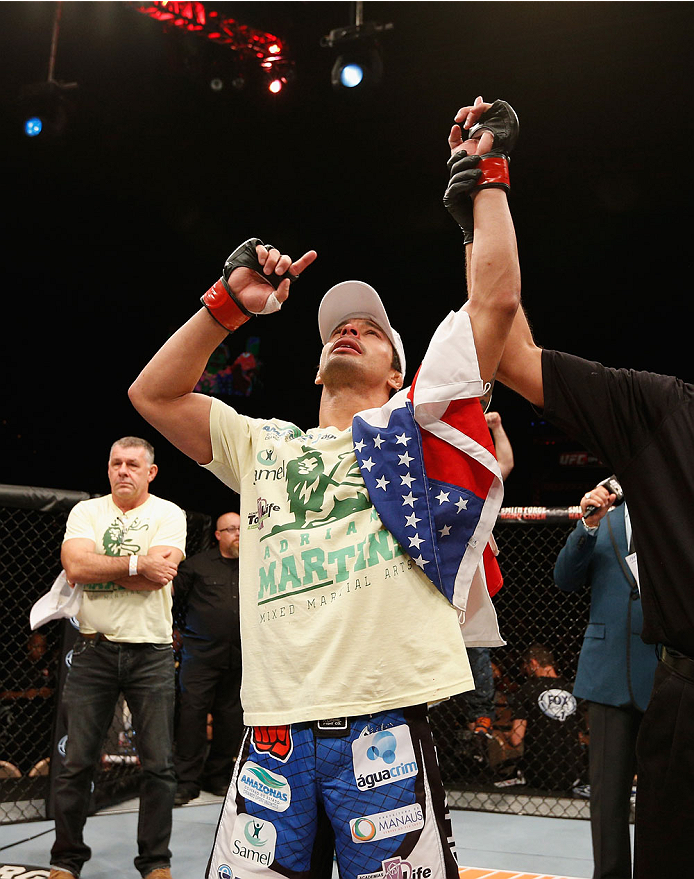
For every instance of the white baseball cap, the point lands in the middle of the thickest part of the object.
(356, 299)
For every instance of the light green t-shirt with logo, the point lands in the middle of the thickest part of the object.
(113, 610)
(336, 619)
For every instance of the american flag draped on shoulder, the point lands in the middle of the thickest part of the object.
(428, 462)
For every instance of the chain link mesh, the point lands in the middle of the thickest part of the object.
(483, 771)
(544, 775)
(29, 662)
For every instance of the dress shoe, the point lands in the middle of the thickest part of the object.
(184, 794)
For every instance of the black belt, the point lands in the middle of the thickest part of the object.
(97, 637)
(678, 662)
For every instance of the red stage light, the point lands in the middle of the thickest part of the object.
(193, 16)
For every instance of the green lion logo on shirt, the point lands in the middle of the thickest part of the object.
(118, 540)
(307, 484)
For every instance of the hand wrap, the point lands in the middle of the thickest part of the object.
(221, 302)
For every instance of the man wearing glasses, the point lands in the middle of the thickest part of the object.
(206, 589)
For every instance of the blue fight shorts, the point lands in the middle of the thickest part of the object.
(378, 781)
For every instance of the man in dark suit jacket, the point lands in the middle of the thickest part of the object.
(615, 669)
(207, 585)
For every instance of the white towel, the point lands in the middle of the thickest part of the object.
(63, 600)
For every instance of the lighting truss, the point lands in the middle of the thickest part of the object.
(250, 43)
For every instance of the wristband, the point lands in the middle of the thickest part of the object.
(224, 307)
(132, 566)
(494, 170)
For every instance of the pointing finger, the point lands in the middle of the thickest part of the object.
(303, 262)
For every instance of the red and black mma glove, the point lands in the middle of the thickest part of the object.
(220, 301)
(489, 171)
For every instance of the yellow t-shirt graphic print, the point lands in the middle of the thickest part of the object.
(336, 619)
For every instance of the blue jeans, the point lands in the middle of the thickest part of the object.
(100, 671)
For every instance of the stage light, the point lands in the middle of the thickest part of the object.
(33, 126)
(44, 107)
(258, 61)
(350, 74)
(358, 69)
(246, 42)
(44, 110)
(359, 65)
(277, 72)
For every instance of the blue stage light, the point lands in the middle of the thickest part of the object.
(33, 126)
(357, 70)
(351, 75)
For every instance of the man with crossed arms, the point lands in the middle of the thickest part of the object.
(124, 548)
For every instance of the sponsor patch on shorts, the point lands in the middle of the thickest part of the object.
(276, 741)
(383, 757)
(382, 825)
(253, 841)
(264, 787)
(396, 868)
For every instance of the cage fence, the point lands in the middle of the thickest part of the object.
(544, 774)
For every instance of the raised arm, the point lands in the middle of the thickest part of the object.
(520, 367)
(163, 392)
(493, 268)
(494, 292)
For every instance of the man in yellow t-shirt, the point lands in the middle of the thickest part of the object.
(125, 549)
(345, 635)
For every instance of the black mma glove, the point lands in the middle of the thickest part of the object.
(491, 169)
(219, 300)
(502, 121)
(464, 176)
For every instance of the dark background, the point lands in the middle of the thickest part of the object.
(111, 235)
